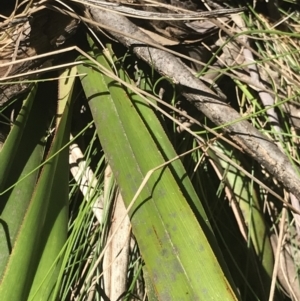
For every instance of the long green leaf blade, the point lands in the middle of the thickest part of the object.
(46, 210)
(178, 256)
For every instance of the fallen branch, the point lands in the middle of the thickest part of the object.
(250, 139)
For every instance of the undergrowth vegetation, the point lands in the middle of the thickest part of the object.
(137, 165)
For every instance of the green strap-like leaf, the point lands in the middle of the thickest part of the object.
(43, 230)
(178, 257)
